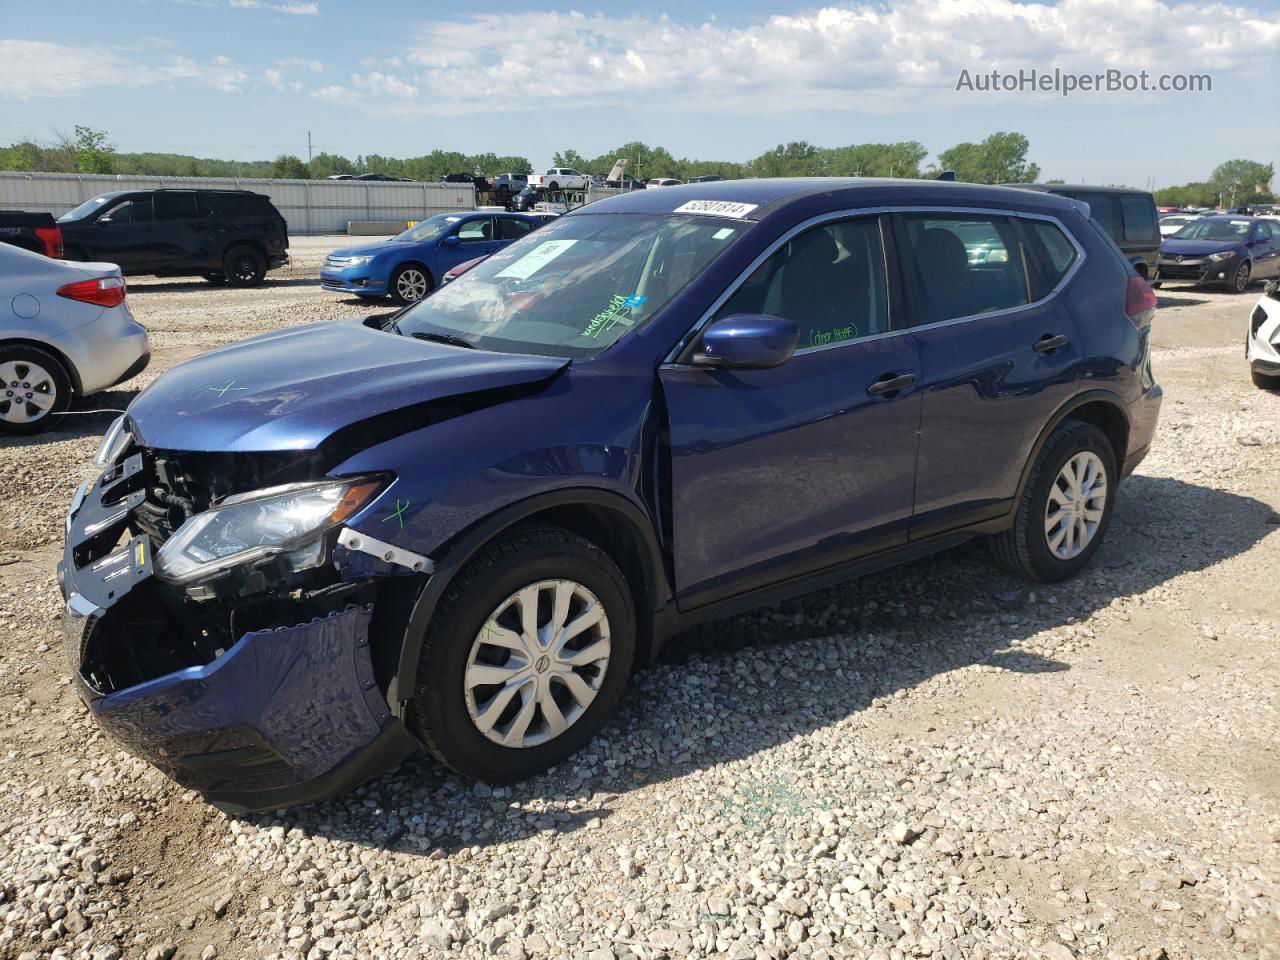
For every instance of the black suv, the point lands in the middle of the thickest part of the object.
(1127, 216)
(222, 235)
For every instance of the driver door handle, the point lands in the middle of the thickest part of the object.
(1049, 343)
(891, 383)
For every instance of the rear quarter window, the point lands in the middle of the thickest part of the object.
(1050, 255)
(1139, 214)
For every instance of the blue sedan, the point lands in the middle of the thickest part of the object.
(409, 266)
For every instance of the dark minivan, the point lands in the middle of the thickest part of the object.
(223, 235)
(458, 527)
(1128, 216)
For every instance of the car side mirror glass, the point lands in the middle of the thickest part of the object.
(748, 341)
(451, 240)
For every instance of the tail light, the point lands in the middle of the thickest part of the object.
(104, 291)
(1139, 301)
(51, 237)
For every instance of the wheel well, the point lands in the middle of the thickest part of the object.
(613, 533)
(1143, 270)
(1108, 418)
(77, 389)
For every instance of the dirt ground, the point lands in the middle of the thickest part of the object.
(933, 761)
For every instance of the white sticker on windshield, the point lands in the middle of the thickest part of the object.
(722, 233)
(535, 260)
(717, 208)
(1239, 223)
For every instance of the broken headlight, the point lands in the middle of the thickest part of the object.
(250, 526)
(114, 442)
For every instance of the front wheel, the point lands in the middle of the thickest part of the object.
(1263, 381)
(409, 284)
(34, 388)
(1065, 509)
(526, 656)
(217, 277)
(1240, 279)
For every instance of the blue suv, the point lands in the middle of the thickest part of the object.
(460, 526)
(409, 266)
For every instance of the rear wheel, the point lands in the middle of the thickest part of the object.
(34, 387)
(244, 267)
(409, 283)
(1065, 508)
(553, 185)
(526, 656)
(1240, 279)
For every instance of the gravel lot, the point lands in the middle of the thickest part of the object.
(932, 761)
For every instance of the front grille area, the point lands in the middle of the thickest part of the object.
(1179, 271)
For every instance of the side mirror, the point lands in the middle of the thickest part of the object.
(451, 240)
(748, 341)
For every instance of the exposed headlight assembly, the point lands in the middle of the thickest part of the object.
(251, 526)
(114, 442)
(1219, 257)
(358, 261)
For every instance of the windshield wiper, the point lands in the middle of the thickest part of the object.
(444, 338)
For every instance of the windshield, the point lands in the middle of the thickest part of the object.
(575, 286)
(428, 229)
(1214, 230)
(86, 208)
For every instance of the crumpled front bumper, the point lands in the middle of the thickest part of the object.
(284, 716)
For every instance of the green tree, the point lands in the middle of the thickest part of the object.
(289, 167)
(568, 158)
(328, 164)
(1242, 181)
(1001, 158)
(92, 152)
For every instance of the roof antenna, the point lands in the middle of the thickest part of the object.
(948, 175)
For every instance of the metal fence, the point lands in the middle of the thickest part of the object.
(308, 206)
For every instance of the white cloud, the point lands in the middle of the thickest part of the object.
(334, 94)
(861, 54)
(296, 9)
(381, 83)
(35, 68)
(300, 63)
(221, 73)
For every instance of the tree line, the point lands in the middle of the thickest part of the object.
(1000, 158)
(1232, 184)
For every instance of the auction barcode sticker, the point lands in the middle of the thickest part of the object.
(717, 208)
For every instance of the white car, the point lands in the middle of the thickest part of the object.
(1174, 222)
(663, 182)
(65, 332)
(559, 178)
(1262, 346)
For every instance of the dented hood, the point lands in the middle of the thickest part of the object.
(292, 389)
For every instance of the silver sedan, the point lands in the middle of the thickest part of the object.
(65, 332)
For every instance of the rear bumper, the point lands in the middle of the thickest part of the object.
(107, 351)
(1144, 414)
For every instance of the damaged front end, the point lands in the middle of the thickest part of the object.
(226, 624)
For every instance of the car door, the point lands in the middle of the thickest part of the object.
(780, 472)
(1264, 248)
(998, 354)
(182, 233)
(125, 234)
(476, 238)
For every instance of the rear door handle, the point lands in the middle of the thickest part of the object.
(1049, 343)
(891, 383)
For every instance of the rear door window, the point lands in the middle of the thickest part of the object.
(512, 229)
(961, 265)
(829, 281)
(1139, 214)
(176, 206)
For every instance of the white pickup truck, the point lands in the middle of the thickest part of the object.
(559, 178)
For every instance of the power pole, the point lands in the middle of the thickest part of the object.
(308, 151)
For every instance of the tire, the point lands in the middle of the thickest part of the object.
(484, 596)
(28, 374)
(1240, 279)
(410, 282)
(1025, 548)
(215, 277)
(553, 185)
(1263, 381)
(1157, 284)
(244, 266)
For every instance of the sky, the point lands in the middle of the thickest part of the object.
(708, 79)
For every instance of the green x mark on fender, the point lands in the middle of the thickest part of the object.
(229, 386)
(398, 513)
